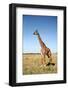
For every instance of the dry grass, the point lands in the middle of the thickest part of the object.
(32, 64)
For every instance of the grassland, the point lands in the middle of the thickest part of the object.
(31, 64)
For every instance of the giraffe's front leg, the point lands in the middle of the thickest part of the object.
(43, 61)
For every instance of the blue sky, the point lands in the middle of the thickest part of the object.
(47, 28)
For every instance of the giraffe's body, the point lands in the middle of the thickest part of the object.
(44, 49)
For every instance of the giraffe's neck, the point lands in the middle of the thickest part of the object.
(41, 42)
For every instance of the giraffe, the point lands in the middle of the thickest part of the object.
(44, 50)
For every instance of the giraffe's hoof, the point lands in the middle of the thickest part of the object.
(48, 64)
(53, 64)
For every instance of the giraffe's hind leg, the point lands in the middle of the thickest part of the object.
(50, 59)
(49, 56)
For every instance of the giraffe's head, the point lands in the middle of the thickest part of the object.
(36, 33)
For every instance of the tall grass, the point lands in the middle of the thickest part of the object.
(31, 64)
